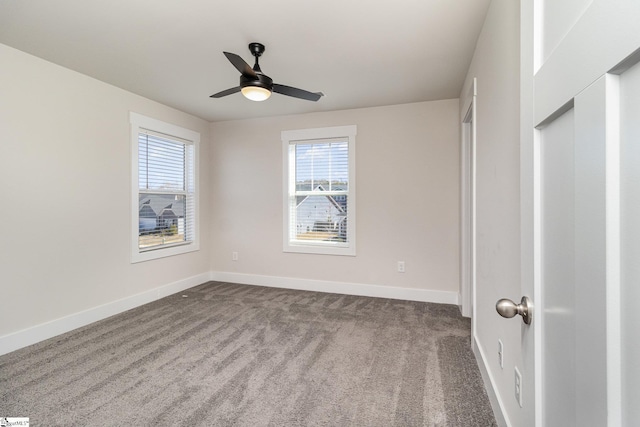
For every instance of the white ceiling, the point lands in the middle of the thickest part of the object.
(358, 53)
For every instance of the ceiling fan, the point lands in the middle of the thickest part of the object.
(257, 86)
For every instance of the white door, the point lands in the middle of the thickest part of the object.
(580, 178)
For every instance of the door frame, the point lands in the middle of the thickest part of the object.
(530, 212)
(468, 207)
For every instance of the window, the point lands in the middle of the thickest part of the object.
(319, 190)
(164, 189)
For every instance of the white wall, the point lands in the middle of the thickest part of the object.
(496, 66)
(64, 160)
(407, 198)
(65, 173)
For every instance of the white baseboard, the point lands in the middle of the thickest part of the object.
(32, 335)
(411, 294)
(496, 402)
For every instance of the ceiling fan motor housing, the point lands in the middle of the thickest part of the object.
(262, 81)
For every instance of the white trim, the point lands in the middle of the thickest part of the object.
(288, 176)
(474, 228)
(360, 289)
(468, 206)
(138, 121)
(43, 331)
(534, 22)
(489, 384)
(168, 129)
(530, 213)
(613, 250)
(534, 239)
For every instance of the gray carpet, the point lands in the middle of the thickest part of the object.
(237, 355)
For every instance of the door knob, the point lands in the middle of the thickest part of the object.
(507, 308)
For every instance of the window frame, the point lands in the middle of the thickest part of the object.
(302, 136)
(140, 122)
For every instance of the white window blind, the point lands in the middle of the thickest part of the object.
(319, 194)
(319, 210)
(165, 184)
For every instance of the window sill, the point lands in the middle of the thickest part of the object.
(307, 248)
(162, 252)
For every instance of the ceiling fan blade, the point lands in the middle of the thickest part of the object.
(241, 65)
(226, 92)
(297, 93)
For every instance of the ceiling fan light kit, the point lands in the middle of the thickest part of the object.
(256, 90)
(255, 93)
(257, 86)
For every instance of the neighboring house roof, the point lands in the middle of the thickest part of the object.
(146, 211)
(160, 205)
(340, 206)
(167, 213)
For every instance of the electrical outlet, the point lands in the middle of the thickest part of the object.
(500, 354)
(234, 256)
(518, 385)
(400, 266)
